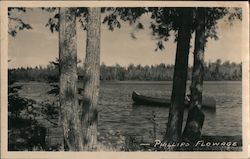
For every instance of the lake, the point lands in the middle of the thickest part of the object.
(117, 113)
(116, 110)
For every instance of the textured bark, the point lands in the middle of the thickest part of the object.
(89, 115)
(174, 126)
(68, 80)
(192, 131)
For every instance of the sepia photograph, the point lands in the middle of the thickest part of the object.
(92, 77)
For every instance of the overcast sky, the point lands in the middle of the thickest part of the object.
(39, 46)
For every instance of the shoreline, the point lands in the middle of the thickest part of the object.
(54, 138)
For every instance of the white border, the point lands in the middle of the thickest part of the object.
(136, 155)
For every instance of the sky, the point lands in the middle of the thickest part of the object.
(38, 46)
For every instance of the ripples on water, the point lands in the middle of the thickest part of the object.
(118, 113)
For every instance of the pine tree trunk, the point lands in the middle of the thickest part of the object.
(89, 115)
(192, 131)
(68, 80)
(174, 126)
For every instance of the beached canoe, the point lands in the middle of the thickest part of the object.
(207, 102)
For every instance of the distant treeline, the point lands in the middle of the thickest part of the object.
(214, 71)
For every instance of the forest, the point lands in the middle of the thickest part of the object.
(213, 71)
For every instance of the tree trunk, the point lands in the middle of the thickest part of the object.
(192, 131)
(174, 126)
(68, 80)
(89, 115)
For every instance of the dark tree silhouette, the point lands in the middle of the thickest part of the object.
(174, 126)
(192, 131)
(226, 71)
(206, 21)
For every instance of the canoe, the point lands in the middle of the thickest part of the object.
(207, 101)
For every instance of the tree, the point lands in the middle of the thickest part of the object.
(79, 122)
(205, 27)
(192, 131)
(164, 21)
(174, 126)
(89, 112)
(68, 81)
(16, 23)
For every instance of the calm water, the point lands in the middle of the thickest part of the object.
(118, 113)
